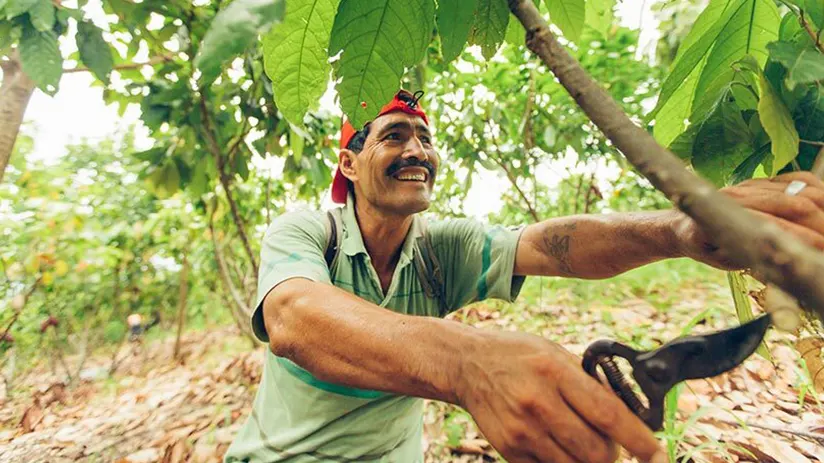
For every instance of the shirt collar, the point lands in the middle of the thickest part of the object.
(352, 242)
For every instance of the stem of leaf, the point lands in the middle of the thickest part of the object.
(807, 27)
(811, 142)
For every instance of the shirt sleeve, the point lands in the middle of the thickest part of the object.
(293, 247)
(478, 261)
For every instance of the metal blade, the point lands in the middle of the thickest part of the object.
(705, 356)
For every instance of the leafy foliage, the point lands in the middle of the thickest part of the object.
(295, 56)
(233, 31)
(372, 58)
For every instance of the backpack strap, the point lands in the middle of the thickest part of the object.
(333, 232)
(429, 268)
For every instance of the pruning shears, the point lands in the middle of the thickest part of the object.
(657, 371)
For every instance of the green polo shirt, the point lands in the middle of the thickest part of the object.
(297, 418)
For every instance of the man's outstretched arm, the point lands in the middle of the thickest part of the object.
(530, 398)
(601, 246)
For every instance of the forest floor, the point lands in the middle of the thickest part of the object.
(156, 409)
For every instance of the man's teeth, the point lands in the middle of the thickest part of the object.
(418, 177)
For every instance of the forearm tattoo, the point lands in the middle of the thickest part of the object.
(558, 246)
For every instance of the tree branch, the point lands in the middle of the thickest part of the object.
(514, 181)
(225, 182)
(17, 312)
(807, 27)
(224, 273)
(749, 241)
(818, 165)
(15, 93)
(126, 66)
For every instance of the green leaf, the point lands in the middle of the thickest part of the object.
(455, 19)
(94, 51)
(723, 141)
(600, 15)
(569, 16)
(15, 8)
(42, 15)
(296, 144)
(295, 56)
(741, 300)
(814, 9)
(776, 120)
(753, 25)
(377, 41)
(41, 59)
(232, 31)
(515, 32)
(747, 168)
(489, 28)
(790, 30)
(165, 180)
(690, 60)
(804, 65)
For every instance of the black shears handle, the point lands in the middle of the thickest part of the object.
(657, 371)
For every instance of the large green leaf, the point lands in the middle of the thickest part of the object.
(814, 10)
(804, 65)
(600, 15)
(568, 15)
(42, 15)
(722, 142)
(455, 19)
(295, 56)
(232, 31)
(15, 8)
(489, 28)
(94, 51)
(165, 180)
(690, 60)
(377, 41)
(753, 25)
(776, 120)
(41, 59)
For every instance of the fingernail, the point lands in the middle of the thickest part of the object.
(660, 457)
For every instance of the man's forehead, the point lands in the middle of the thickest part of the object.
(395, 118)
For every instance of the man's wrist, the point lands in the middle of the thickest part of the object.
(673, 222)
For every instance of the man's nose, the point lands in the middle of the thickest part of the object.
(414, 149)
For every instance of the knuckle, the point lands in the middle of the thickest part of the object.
(517, 437)
(801, 207)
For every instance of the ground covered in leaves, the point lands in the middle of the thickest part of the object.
(155, 409)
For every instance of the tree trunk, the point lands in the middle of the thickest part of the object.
(15, 93)
(181, 303)
(750, 242)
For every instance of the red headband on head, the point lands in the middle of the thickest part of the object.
(403, 101)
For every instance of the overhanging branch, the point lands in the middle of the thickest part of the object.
(751, 242)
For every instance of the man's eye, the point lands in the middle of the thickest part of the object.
(393, 136)
(426, 140)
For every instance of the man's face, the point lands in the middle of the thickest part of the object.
(396, 169)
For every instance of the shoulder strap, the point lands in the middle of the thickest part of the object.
(333, 231)
(429, 268)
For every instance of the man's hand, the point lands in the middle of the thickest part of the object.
(801, 215)
(534, 403)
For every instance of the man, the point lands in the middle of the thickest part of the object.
(354, 348)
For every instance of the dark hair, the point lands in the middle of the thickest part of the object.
(358, 140)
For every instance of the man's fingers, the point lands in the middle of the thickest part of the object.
(546, 449)
(800, 210)
(604, 411)
(806, 235)
(569, 430)
(811, 192)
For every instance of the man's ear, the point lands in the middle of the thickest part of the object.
(346, 164)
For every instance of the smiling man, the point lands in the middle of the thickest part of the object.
(354, 320)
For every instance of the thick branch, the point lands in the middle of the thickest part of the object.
(211, 141)
(15, 93)
(750, 242)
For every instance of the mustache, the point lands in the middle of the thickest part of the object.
(410, 162)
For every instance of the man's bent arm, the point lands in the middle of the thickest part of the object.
(341, 338)
(597, 246)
